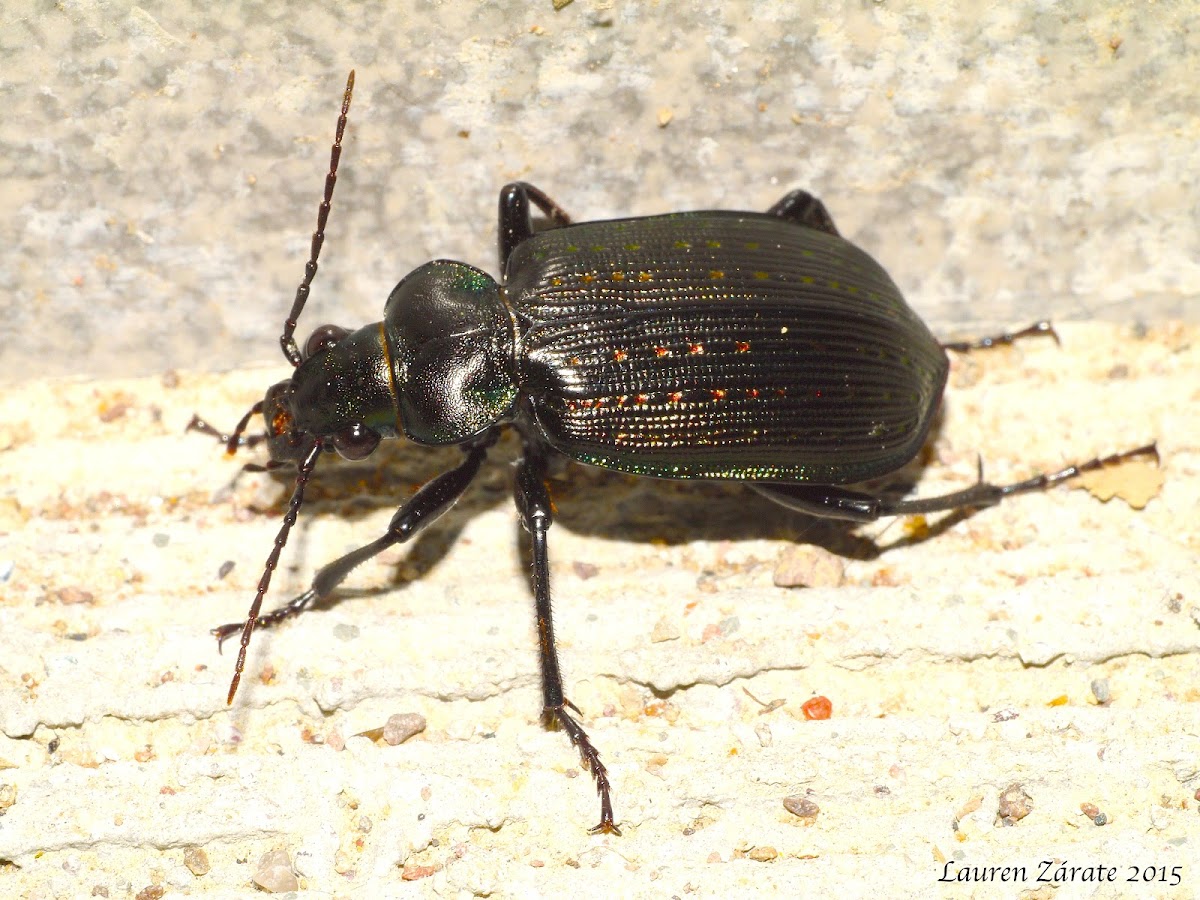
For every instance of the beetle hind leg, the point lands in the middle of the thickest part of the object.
(999, 340)
(533, 503)
(804, 209)
(829, 502)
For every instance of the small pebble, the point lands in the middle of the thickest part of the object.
(402, 726)
(1014, 805)
(275, 873)
(801, 806)
(817, 708)
(804, 565)
(664, 630)
(969, 807)
(197, 861)
(1100, 690)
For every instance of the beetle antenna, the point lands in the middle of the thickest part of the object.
(304, 471)
(287, 340)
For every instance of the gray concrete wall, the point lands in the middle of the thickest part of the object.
(161, 164)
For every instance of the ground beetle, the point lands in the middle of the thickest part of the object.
(756, 347)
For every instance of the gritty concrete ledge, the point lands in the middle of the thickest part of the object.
(957, 666)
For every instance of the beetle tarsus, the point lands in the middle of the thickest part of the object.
(1047, 479)
(235, 439)
(832, 502)
(1043, 327)
(590, 757)
(267, 620)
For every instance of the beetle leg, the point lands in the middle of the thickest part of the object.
(830, 502)
(422, 508)
(802, 207)
(516, 220)
(822, 501)
(533, 503)
(995, 340)
(238, 440)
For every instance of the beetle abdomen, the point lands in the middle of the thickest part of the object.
(721, 345)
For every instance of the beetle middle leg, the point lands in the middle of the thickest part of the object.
(422, 508)
(831, 502)
(516, 219)
(533, 503)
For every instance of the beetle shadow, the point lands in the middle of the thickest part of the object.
(663, 511)
(618, 506)
(355, 491)
(588, 501)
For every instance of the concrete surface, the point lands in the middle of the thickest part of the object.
(956, 667)
(162, 163)
(161, 166)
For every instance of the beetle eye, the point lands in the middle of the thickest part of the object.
(355, 442)
(322, 339)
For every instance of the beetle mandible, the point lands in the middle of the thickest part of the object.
(757, 347)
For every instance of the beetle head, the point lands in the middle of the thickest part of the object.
(285, 442)
(340, 394)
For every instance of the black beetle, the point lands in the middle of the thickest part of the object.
(757, 347)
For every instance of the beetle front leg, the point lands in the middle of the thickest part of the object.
(516, 219)
(422, 509)
(533, 502)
